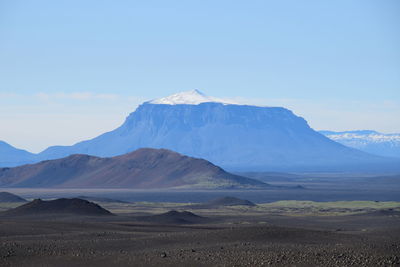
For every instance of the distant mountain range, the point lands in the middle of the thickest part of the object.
(142, 169)
(236, 137)
(373, 142)
(11, 156)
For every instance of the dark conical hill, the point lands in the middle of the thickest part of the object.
(74, 206)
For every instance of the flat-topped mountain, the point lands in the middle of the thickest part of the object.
(236, 137)
(9, 197)
(74, 206)
(142, 169)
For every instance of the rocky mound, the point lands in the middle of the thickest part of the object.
(174, 217)
(9, 197)
(74, 206)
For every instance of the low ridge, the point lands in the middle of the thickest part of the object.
(230, 201)
(101, 199)
(174, 217)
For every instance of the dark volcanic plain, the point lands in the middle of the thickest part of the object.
(259, 235)
(353, 221)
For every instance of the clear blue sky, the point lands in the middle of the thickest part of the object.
(70, 70)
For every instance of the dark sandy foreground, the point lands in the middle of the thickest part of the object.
(359, 240)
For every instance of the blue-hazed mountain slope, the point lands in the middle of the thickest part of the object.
(230, 135)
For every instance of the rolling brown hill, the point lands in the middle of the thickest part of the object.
(144, 168)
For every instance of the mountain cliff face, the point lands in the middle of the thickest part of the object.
(142, 169)
(373, 142)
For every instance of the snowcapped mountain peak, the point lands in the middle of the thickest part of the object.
(192, 97)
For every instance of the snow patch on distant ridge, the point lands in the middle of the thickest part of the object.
(362, 136)
(193, 97)
(373, 142)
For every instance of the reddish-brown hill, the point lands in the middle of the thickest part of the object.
(142, 169)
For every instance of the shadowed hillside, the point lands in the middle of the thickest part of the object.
(8, 197)
(142, 169)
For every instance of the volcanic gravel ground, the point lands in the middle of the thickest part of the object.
(120, 241)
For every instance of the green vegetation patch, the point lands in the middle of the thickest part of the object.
(334, 204)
